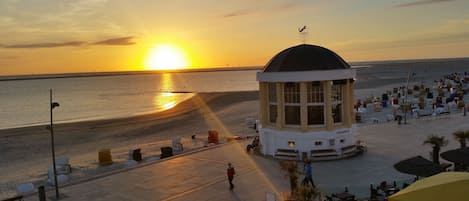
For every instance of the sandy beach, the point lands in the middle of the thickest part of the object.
(26, 152)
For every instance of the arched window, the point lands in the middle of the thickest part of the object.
(272, 91)
(337, 100)
(315, 103)
(292, 103)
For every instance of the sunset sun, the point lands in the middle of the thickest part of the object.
(165, 57)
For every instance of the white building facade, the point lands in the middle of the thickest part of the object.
(306, 105)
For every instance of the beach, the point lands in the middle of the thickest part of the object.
(26, 152)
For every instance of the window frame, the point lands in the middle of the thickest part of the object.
(272, 94)
(311, 102)
(292, 98)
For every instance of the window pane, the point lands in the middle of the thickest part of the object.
(336, 92)
(315, 115)
(292, 92)
(315, 92)
(292, 115)
(272, 113)
(272, 93)
(337, 113)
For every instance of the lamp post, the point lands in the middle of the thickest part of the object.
(409, 76)
(52, 106)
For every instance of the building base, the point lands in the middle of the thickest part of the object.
(318, 145)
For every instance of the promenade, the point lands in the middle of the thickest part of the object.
(200, 175)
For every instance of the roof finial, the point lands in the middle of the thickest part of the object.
(303, 33)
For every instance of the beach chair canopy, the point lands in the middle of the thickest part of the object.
(447, 186)
(417, 166)
(460, 155)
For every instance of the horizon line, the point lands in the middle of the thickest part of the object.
(185, 70)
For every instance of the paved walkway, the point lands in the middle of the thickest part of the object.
(196, 176)
(202, 176)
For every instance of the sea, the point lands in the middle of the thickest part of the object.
(25, 101)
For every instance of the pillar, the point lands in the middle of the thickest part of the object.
(263, 101)
(280, 114)
(347, 105)
(351, 111)
(304, 106)
(328, 105)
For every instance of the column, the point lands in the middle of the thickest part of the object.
(347, 105)
(304, 106)
(263, 101)
(328, 105)
(352, 111)
(280, 114)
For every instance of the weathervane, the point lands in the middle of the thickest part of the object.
(303, 33)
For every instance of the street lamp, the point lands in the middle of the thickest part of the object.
(409, 76)
(52, 106)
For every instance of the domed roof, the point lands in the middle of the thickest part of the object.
(305, 58)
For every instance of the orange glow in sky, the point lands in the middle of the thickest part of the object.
(50, 36)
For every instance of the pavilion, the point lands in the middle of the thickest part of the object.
(306, 105)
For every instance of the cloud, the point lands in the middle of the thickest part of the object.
(47, 45)
(284, 7)
(421, 2)
(237, 13)
(117, 41)
(113, 41)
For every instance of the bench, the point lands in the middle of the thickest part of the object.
(324, 153)
(287, 154)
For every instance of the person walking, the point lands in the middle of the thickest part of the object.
(230, 172)
(308, 174)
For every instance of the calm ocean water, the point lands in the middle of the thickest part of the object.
(26, 102)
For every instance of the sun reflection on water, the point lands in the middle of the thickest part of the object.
(166, 99)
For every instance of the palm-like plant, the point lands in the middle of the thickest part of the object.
(303, 192)
(461, 137)
(291, 169)
(308, 193)
(437, 142)
(466, 133)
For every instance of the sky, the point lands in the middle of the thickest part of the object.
(67, 36)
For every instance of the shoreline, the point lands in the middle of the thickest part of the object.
(28, 148)
(183, 107)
